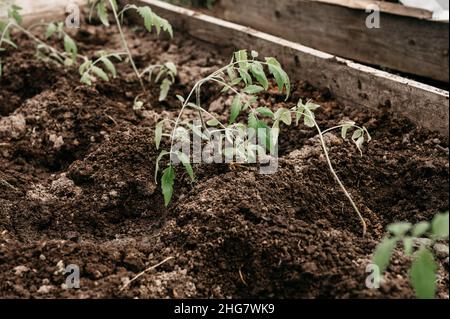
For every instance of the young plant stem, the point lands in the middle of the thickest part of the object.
(197, 87)
(125, 46)
(9, 25)
(336, 177)
(36, 39)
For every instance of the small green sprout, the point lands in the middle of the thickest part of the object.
(101, 67)
(90, 70)
(43, 51)
(151, 22)
(423, 269)
(166, 76)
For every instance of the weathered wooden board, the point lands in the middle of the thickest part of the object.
(30, 7)
(350, 82)
(35, 10)
(407, 40)
(384, 6)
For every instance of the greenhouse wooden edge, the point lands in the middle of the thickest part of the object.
(349, 82)
(408, 40)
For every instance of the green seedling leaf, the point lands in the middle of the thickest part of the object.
(158, 133)
(283, 115)
(166, 26)
(440, 226)
(147, 14)
(213, 122)
(100, 73)
(357, 134)
(138, 105)
(423, 274)
(309, 119)
(181, 99)
(84, 66)
(235, 82)
(383, 253)
(242, 57)
(184, 159)
(167, 182)
(264, 111)
(280, 76)
(158, 160)
(171, 67)
(70, 47)
(420, 229)
(164, 89)
(236, 107)
(102, 13)
(51, 29)
(252, 121)
(109, 66)
(14, 13)
(345, 129)
(399, 229)
(197, 131)
(298, 115)
(244, 75)
(408, 245)
(86, 79)
(259, 74)
(253, 89)
(264, 135)
(114, 4)
(312, 106)
(231, 73)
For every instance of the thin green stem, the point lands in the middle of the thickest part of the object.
(36, 39)
(9, 25)
(333, 172)
(341, 126)
(125, 46)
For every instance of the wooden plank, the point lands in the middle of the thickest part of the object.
(350, 82)
(386, 7)
(35, 11)
(406, 41)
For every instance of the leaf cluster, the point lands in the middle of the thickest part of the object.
(424, 267)
(245, 78)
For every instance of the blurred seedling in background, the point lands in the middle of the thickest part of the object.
(423, 269)
(91, 69)
(152, 21)
(66, 57)
(246, 78)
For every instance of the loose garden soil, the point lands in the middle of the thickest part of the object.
(77, 187)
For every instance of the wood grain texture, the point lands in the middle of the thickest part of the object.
(36, 10)
(406, 40)
(386, 7)
(350, 83)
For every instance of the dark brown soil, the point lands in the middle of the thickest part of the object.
(77, 187)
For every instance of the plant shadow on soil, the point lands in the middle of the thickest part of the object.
(77, 186)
